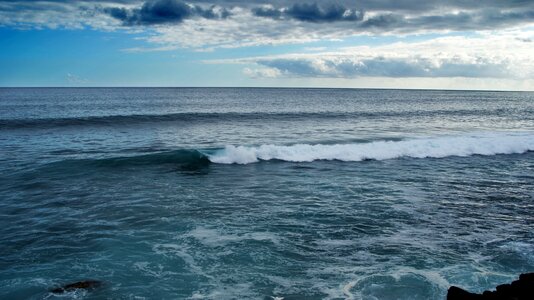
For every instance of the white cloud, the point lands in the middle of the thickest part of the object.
(503, 55)
(262, 72)
(56, 14)
(75, 79)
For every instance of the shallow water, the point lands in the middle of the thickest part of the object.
(262, 193)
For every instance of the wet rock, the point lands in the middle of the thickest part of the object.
(84, 285)
(522, 289)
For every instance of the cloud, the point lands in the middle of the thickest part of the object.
(346, 67)
(393, 21)
(40, 14)
(482, 57)
(212, 24)
(75, 79)
(155, 12)
(310, 13)
(239, 30)
(486, 19)
(262, 72)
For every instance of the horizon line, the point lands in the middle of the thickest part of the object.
(259, 87)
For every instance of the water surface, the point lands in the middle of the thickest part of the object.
(262, 193)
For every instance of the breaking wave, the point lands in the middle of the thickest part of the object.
(434, 147)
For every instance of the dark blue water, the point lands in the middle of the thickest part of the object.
(264, 193)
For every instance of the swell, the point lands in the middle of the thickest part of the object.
(188, 160)
(233, 116)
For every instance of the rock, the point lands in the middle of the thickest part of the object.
(456, 293)
(522, 289)
(85, 285)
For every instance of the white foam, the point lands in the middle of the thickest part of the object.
(524, 249)
(211, 237)
(435, 147)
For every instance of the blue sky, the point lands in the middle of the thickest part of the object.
(380, 44)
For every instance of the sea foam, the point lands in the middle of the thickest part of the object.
(434, 147)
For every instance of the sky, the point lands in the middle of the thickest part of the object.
(435, 44)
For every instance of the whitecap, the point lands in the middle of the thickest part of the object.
(430, 147)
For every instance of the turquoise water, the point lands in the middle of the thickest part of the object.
(264, 193)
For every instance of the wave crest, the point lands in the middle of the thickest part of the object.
(435, 147)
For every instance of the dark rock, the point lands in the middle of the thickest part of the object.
(522, 289)
(84, 285)
(457, 293)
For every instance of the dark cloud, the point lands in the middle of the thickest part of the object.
(163, 12)
(311, 13)
(387, 5)
(476, 20)
(268, 12)
(483, 18)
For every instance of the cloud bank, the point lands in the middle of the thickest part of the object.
(272, 21)
(482, 57)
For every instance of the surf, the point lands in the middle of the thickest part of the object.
(429, 147)
(424, 147)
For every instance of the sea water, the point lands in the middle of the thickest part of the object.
(208, 193)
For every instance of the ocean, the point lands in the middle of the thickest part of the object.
(252, 193)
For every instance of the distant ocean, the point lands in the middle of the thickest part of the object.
(237, 193)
